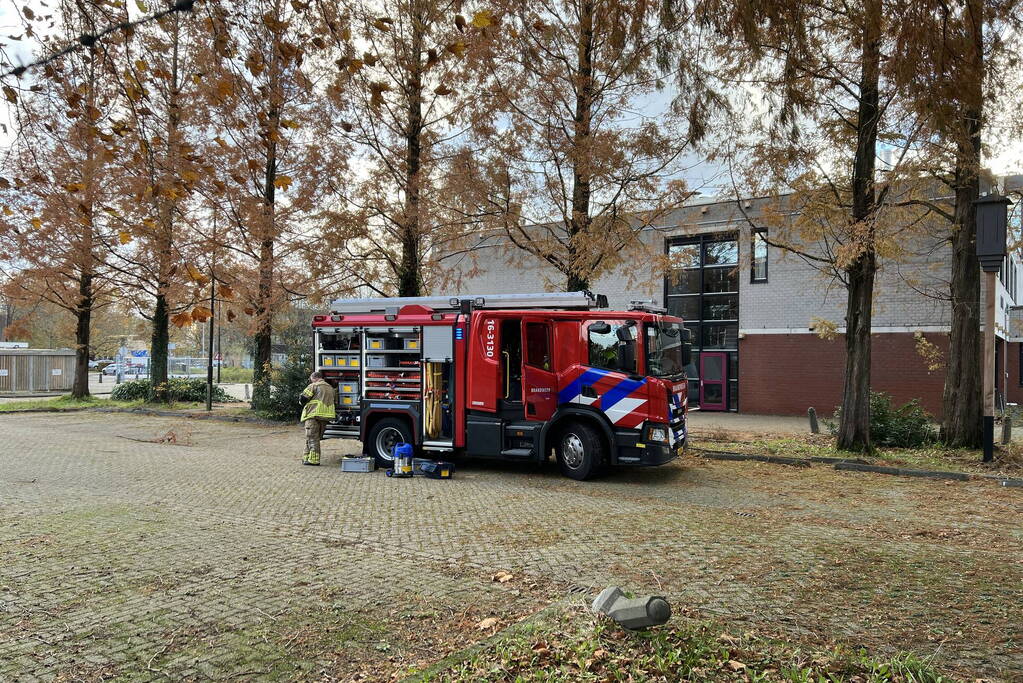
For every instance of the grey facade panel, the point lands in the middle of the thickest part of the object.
(908, 292)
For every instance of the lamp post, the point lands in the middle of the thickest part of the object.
(209, 360)
(992, 216)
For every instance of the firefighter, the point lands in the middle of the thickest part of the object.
(319, 399)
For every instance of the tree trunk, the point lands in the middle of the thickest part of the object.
(83, 320)
(158, 348)
(962, 401)
(854, 428)
(579, 227)
(263, 337)
(410, 276)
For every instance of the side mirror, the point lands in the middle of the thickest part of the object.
(626, 333)
(600, 327)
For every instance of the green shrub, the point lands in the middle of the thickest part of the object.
(136, 390)
(178, 389)
(908, 426)
(277, 397)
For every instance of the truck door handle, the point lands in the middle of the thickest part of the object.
(589, 392)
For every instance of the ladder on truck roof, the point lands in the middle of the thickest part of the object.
(552, 300)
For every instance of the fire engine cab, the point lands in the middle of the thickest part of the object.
(510, 376)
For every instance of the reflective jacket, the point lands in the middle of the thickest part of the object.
(321, 401)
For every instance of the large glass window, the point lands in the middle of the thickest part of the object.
(613, 345)
(684, 282)
(703, 290)
(721, 307)
(721, 336)
(721, 253)
(684, 255)
(685, 307)
(717, 280)
(758, 261)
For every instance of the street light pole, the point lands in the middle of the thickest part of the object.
(220, 332)
(209, 361)
(992, 216)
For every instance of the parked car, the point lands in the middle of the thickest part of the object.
(127, 369)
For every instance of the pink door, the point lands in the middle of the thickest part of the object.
(713, 378)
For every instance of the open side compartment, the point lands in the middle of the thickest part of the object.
(393, 365)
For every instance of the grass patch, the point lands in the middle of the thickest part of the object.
(65, 402)
(1008, 458)
(235, 375)
(579, 646)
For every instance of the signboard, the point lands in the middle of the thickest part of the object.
(142, 353)
(4, 372)
(56, 372)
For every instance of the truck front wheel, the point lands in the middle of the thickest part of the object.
(384, 436)
(580, 450)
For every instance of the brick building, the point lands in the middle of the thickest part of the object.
(753, 309)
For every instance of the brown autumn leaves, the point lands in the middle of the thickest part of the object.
(294, 150)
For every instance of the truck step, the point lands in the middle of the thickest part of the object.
(518, 452)
(336, 432)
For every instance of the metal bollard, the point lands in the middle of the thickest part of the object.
(812, 414)
(246, 392)
(1006, 429)
(635, 613)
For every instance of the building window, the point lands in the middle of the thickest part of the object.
(758, 260)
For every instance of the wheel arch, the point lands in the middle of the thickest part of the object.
(374, 415)
(568, 414)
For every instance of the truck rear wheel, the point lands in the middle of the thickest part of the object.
(580, 450)
(384, 436)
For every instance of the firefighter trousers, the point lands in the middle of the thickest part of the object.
(314, 427)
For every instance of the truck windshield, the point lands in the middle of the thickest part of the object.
(664, 349)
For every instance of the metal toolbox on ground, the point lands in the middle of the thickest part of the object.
(363, 464)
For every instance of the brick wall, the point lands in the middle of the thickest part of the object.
(784, 374)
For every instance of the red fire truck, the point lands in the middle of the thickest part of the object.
(511, 376)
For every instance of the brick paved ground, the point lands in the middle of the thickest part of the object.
(224, 558)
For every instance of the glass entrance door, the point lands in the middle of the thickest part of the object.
(713, 379)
